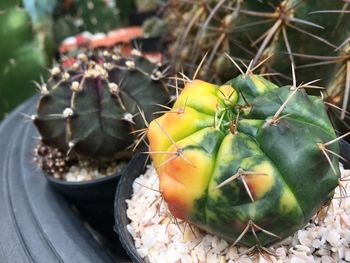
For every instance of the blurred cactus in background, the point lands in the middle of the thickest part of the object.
(311, 34)
(73, 17)
(31, 31)
(23, 55)
(125, 8)
(146, 5)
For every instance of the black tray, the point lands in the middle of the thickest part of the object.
(36, 223)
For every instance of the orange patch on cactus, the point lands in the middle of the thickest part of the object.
(172, 194)
(261, 183)
(184, 179)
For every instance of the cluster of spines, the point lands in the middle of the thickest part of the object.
(306, 34)
(52, 160)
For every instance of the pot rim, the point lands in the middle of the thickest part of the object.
(120, 206)
(96, 181)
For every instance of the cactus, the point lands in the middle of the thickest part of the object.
(147, 5)
(22, 57)
(90, 108)
(95, 16)
(153, 27)
(312, 34)
(247, 161)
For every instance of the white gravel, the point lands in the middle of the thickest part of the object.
(159, 240)
(79, 174)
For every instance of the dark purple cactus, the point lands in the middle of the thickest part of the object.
(91, 108)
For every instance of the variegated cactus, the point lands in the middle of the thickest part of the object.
(247, 161)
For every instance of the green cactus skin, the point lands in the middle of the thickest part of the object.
(288, 31)
(125, 9)
(290, 180)
(22, 58)
(153, 27)
(91, 108)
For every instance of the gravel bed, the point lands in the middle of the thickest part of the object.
(159, 239)
(80, 174)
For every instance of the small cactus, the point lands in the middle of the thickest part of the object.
(247, 161)
(90, 108)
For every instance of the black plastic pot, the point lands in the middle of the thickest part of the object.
(149, 44)
(94, 200)
(345, 153)
(124, 191)
(136, 19)
(98, 189)
(36, 223)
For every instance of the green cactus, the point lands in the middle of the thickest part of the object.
(312, 34)
(126, 8)
(95, 16)
(22, 58)
(153, 27)
(247, 161)
(90, 108)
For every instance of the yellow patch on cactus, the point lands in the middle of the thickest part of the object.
(174, 123)
(199, 95)
(227, 94)
(259, 84)
(287, 201)
(225, 149)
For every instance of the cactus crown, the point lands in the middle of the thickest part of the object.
(91, 108)
(248, 161)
